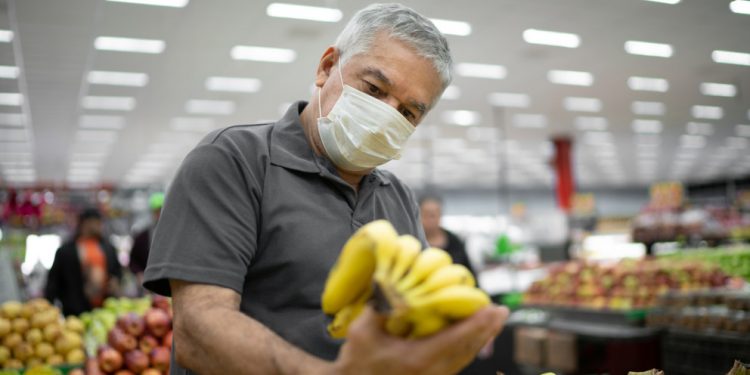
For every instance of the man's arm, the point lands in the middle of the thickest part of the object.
(213, 337)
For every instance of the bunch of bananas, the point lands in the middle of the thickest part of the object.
(419, 292)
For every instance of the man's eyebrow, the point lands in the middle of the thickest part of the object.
(378, 74)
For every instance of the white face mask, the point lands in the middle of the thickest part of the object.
(362, 132)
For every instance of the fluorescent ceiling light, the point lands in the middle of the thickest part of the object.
(692, 141)
(742, 130)
(551, 38)
(83, 172)
(508, 99)
(111, 103)
(161, 3)
(700, 128)
(578, 104)
(718, 89)
(6, 36)
(648, 108)
(101, 122)
(192, 124)
(463, 118)
(635, 47)
(233, 84)
(451, 92)
(647, 126)
(8, 72)
(740, 6)
(13, 134)
(529, 120)
(303, 12)
(731, 57)
(100, 77)
(570, 77)
(112, 43)
(707, 112)
(19, 171)
(11, 98)
(648, 84)
(267, 54)
(450, 27)
(737, 143)
(209, 107)
(107, 136)
(86, 163)
(585, 123)
(597, 138)
(476, 70)
(12, 119)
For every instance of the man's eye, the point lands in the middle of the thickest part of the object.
(407, 113)
(374, 90)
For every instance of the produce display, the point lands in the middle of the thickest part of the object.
(35, 334)
(707, 311)
(628, 284)
(735, 262)
(419, 292)
(101, 320)
(138, 344)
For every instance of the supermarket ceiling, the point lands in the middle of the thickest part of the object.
(676, 107)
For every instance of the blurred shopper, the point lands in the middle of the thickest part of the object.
(142, 240)
(257, 214)
(431, 209)
(85, 270)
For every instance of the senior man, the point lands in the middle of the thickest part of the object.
(257, 215)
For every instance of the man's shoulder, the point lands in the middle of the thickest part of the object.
(240, 139)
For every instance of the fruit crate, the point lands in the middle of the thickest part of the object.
(698, 353)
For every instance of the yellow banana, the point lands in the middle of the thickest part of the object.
(341, 321)
(452, 274)
(409, 248)
(386, 249)
(425, 324)
(428, 261)
(455, 301)
(353, 271)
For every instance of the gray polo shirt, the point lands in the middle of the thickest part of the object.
(253, 209)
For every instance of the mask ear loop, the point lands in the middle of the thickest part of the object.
(341, 77)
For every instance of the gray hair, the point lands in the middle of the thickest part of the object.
(402, 23)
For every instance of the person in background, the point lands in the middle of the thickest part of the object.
(85, 270)
(142, 240)
(431, 209)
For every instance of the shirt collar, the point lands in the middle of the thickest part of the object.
(290, 149)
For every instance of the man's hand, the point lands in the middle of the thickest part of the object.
(370, 350)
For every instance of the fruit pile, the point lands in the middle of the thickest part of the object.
(734, 261)
(628, 284)
(101, 320)
(34, 334)
(139, 344)
(419, 292)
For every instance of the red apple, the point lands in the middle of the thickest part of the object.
(132, 324)
(151, 371)
(121, 341)
(167, 341)
(160, 358)
(157, 322)
(124, 372)
(109, 359)
(136, 361)
(147, 343)
(161, 302)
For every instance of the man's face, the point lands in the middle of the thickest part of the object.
(430, 211)
(390, 71)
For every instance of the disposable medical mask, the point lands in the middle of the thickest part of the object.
(361, 132)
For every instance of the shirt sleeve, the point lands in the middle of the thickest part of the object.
(207, 230)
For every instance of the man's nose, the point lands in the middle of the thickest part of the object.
(392, 101)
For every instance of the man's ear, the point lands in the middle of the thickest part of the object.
(327, 61)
